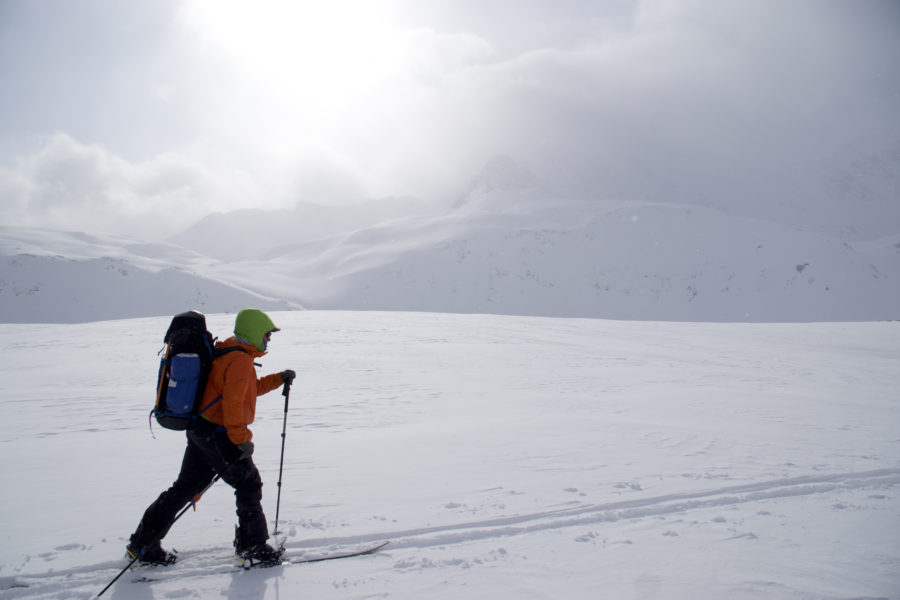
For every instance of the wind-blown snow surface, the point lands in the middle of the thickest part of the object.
(505, 457)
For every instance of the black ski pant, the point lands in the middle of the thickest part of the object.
(205, 457)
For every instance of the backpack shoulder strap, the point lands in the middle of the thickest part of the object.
(217, 352)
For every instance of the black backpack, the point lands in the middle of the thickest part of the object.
(184, 370)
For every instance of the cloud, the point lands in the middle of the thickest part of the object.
(675, 101)
(431, 56)
(691, 100)
(231, 104)
(69, 185)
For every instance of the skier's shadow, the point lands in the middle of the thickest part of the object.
(252, 583)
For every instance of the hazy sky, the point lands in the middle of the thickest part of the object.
(114, 112)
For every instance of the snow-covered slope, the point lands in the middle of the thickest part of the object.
(67, 277)
(505, 457)
(853, 194)
(507, 247)
(512, 252)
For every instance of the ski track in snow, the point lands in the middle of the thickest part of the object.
(626, 509)
(85, 581)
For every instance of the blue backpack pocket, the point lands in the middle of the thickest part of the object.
(184, 381)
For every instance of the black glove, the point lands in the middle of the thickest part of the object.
(230, 452)
(288, 376)
(246, 450)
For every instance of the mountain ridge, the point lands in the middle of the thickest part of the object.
(507, 250)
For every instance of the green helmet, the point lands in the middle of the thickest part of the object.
(253, 325)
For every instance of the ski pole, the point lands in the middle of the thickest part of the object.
(193, 502)
(286, 392)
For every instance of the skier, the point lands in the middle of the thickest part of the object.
(221, 444)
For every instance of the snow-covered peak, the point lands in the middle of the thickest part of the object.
(502, 177)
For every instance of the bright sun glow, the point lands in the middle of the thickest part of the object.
(303, 85)
(320, 52)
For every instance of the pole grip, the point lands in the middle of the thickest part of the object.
(286, 392)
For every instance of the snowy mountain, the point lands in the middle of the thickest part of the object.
(851, 193)
(511, 245)
(507, 246)
(513, 252)
(68, 277)
(504, 457)
(500, 174)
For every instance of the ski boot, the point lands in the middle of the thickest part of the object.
(257, 555)
(152, 555)
(261, 555)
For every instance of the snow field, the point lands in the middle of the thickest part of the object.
(510, 457)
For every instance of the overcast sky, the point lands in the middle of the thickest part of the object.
(112, 112)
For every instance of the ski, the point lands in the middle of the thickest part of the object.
(286, 560)
(168, 573)
(338, 555)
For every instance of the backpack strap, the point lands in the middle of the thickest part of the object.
(209, 406)
(219, 353)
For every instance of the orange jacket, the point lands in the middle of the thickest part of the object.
(233, 377)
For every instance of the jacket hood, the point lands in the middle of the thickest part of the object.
(252, 325)
(233, 342)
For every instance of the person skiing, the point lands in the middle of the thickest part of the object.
(221, 445)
